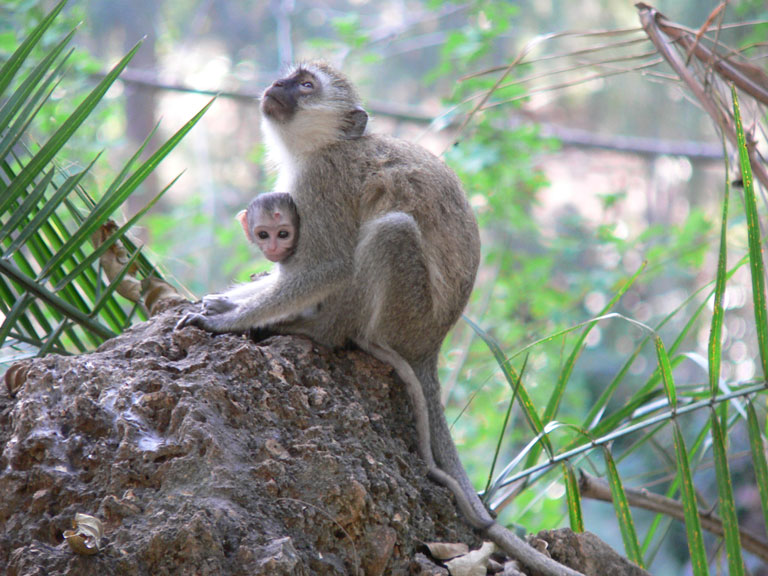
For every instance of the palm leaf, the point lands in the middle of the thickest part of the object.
(574, 498)
(756, 264)
(758, 457)
(692, 522)
(54, 294)
(727, 503)
(623, 512)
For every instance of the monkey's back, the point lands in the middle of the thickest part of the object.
(397, 177)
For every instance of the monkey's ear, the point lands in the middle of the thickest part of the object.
(355, 124)
(242, 217)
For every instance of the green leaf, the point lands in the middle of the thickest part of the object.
(62, 135)
(62, 306)
(690, 508)
(42, 217)
(573, 496)
(565, 374)
(529, 410)
(727, 504)
(757, 267)
(109, 242)
(23, 94)
(15, 62)
(758, 457)
(114, 198)
(504, 425)
(714, 349)
(623, 512)
(666, 372)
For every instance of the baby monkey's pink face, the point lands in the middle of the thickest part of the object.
(274, 233)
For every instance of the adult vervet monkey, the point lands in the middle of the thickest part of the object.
(389, 247)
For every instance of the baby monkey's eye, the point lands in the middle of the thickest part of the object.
(263, 235)
(283, 234)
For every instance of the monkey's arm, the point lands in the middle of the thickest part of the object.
(268, 300)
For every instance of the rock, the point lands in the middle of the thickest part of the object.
(585, 552)
(215, 455)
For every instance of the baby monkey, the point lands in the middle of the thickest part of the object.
(272, 223)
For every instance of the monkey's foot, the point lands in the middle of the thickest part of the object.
(217, 304)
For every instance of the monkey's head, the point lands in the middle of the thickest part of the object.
(272, 223)
(313, 106)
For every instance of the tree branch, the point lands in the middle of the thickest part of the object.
(598, 489)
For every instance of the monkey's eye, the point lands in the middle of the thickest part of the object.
(283, 234)
(307, 84)
(263, 235)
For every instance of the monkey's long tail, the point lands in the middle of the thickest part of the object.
(450, 473)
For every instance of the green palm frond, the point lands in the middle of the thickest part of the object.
(55, 294)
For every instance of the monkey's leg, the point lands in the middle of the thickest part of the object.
(398, 319)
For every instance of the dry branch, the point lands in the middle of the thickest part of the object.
(665, 36)
(598, 489)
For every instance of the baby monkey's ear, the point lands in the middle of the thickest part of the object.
(242, 217)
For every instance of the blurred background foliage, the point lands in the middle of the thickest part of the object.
(589, 163)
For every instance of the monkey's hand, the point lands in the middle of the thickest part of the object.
(213, 305)
(215, 315)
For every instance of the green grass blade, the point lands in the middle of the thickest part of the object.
(697, 453)
(592, 422)
(12, 317)
(573, 496)
(38, 162)
(120, 178)
(666, 372)
(758, 457)
(688, 491)
(53, 338)
(727, 505)
(623, 512)
(504, 426)
(515, 383)
(714, 349)
(565, 374)
(757, 267)
(15, 62)
(32, 106)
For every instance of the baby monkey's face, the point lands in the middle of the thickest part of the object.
(274, 232)
(275, 239)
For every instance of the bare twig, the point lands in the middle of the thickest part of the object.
(598, 489)
(664, 35)
(747, 77)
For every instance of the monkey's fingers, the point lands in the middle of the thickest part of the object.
(191, 319)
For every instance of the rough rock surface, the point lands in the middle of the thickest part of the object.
(215, 455)
(586, 553)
